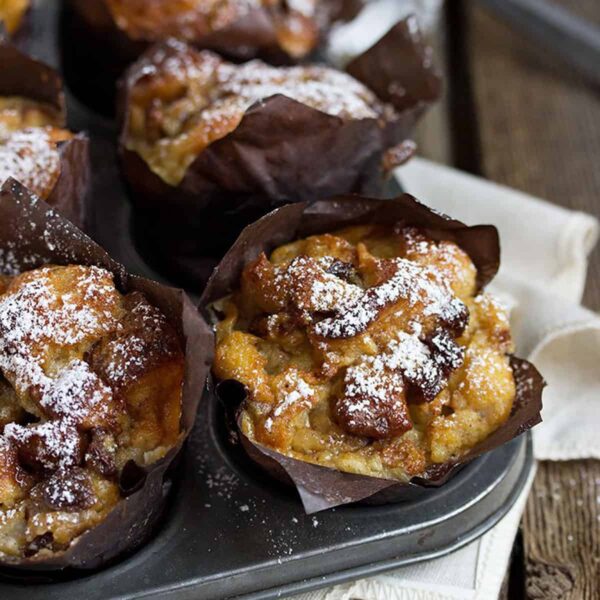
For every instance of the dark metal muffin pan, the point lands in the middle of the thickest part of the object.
(229, 530)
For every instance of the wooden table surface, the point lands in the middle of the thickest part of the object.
(519, 117)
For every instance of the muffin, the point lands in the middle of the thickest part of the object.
(91, 380)
(12, 14)
(369, 350)
(208, 146)
(35, 146)
(185, 100)
(96, 392)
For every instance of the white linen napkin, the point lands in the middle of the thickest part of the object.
(544, 264)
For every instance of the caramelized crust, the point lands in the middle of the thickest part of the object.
(90, 380)
(295, 24)
(12, 13)
(185, 100)
(368, 351)
(29, 136)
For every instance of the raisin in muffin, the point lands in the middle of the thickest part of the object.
(90, 379)
(182, 101)
(30, 133)
(370, 350)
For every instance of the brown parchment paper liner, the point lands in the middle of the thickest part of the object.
(322, 487)
(399, 69)
(22, 75)
(34, 235)
(282, 151)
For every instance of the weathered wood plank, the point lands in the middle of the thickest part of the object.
(538, 129)
(562, 532)
(538, 123)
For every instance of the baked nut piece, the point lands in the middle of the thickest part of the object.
(90, 380)
(185, 100)
(369, 350)
(12, 13)
(30, 132)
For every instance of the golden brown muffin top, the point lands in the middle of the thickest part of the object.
(12, 13)
(89, 379)
(295, 22)
(184, 100)
(29, 135)
(368, 350)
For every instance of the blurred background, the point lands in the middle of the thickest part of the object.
(516, 108)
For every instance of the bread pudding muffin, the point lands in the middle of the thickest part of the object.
(222, 144)
(101, 374)
(90, 380)
(367, 350)
(293, 27)
(185, 100)
(368, 360)
(12, 13)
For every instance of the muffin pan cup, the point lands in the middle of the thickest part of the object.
(229, 529)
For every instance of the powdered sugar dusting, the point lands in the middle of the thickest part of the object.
(58, 440)
(31, 157)
(77, 393)
(297, 394)
(411, 282)
(316, 290)
(327, 90)
(409, 359)
(33, 317)
(236, 87)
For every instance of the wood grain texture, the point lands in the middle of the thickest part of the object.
(562, 532)
(538, 123)
(538, 129)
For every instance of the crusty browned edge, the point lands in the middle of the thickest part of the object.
(38, 235)
(21, 75)
(321, 487)
(282, 151)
